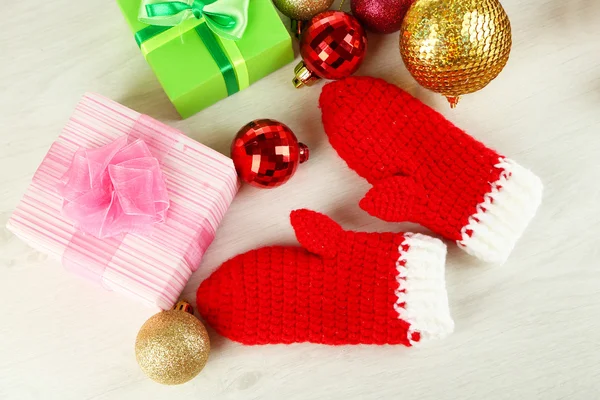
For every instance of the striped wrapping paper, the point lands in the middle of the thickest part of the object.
(155, 268)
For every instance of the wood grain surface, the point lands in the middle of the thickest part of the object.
(527, 330)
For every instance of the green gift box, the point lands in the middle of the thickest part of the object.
(198, 64)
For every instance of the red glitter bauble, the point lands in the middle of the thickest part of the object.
(266, 153)
(381, 16)
(332, 47)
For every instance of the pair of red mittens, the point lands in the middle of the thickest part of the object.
(341, 287)
(378, 288)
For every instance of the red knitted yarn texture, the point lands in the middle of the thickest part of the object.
(423, 168)
(339, 288)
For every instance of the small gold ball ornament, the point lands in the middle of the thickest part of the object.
(302, 10)
(173, 346)
(455, 47)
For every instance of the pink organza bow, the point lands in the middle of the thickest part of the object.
(114, 189)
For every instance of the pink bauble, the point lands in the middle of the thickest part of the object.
(381, 16)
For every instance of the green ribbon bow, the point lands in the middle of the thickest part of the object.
(226, 19)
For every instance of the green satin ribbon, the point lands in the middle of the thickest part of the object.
(226, 18)
(218, 23)
(148, 33)
(210, 41)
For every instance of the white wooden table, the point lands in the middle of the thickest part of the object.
(527, 330)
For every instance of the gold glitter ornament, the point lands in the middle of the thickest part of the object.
(173, 346)
(302, 10)
(455, 47)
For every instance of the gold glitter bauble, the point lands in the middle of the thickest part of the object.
(172, 347)
(302, 10)
(455, 47)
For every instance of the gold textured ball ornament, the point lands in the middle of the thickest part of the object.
(455, 47)
(173, 346)
(302, 10)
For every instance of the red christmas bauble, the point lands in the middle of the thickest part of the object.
(332, 47)
(266, 153)
(381, 16)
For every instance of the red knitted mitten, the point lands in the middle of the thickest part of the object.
(341, 288)
(426, 170)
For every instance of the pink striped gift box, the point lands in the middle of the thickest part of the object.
(153, 268)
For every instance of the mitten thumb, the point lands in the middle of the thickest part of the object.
(394, 199)
(316, 232)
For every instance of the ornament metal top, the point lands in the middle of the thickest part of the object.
(455, 47)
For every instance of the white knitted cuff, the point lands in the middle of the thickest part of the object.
(501, 219)
(422, 300)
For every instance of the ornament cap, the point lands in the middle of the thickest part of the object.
(304, 76)
(453, 100)
(183, 305)
(298, 27)
(304, 153)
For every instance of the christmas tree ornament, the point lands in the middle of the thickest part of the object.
(173, 346)
(266, 153)
(332, 47)
(381, 16)
(340, 287)
(300, 11)
(455, 47)
(426, 170)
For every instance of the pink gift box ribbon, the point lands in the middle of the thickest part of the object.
(114, 189)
